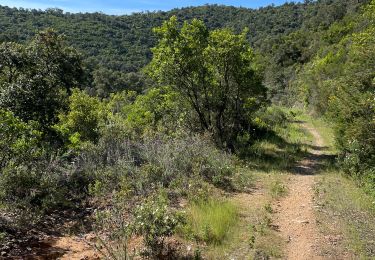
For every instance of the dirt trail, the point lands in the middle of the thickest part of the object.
(75, 248)
(64, 247)
(295, 213)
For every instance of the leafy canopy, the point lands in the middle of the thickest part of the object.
(215, 71)
(35, 79)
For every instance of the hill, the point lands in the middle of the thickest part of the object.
(114, 46)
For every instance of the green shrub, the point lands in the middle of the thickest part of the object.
(198, 190)
(35, 187)
(116, 163)
(154, 221)
(113, 147)
(113, 232)
(112, 180)
(158, 110)
(18, 140)
(178, 164)
(278, 189)
(272, 117)
(243, 179)
(186, 157)
(357, 142)
(210, 221)
(81, 123)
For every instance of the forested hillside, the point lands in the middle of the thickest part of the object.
(190, 133)
(115, 48)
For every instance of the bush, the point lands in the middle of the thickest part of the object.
(159, 110)
(187, 157)
(358, 160)
(112, 180)
(272, 117)
(35, 187)
(357, 144)
(112, 147)
(210, 221)
(115, 164)
(155, 221)
(81, 123)
(18, 140)
(278, 189)
(113, 232)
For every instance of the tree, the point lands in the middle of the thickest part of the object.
(36, 78)
(158, 110)
(214, 71)
(18, 140)
(82, 122)
(106, 81)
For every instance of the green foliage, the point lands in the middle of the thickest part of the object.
(185, 164)
(32, 188)
(120, 232)
(36, 78)
(286, 54)
(125, 47)
(288, 33)
(271, 117)
(159, 110)
(349, 210)
(339, 83)
(208, 92)
(108, 81)
(18, 140)
(278, 189)
(82, 122)
(187, 157)
(214, 71)
(210, 221)
(154, 221)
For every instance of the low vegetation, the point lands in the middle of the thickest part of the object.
(211, 221)
(347, 212)
(125, 150)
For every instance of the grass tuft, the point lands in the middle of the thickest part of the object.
(211, 221)
(278, 189)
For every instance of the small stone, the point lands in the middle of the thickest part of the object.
(90, 237)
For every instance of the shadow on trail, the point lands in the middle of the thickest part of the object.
(281, 155)
(314, 164)
(317, 148)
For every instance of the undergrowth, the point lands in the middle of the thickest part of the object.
(210, 221)
(347, 210)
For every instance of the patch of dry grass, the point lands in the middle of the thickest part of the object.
(347, 216)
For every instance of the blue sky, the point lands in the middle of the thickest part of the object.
(128, 6)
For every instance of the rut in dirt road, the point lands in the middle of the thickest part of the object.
(295, 213)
